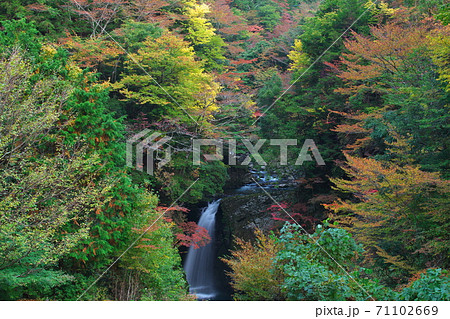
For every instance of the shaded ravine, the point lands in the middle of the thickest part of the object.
(199, 265)
(205, 272)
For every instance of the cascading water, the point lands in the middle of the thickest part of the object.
(199, 265)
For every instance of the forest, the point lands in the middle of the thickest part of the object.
(367, 81)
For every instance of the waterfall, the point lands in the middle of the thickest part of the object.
(199, 265)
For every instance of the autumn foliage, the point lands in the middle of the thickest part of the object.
(251, 269)
(367, 80)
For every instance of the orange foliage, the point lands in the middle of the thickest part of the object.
(387, 50)
(395, 202)
(251, 269)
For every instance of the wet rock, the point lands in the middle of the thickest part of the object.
(241, 214)
(238, 176)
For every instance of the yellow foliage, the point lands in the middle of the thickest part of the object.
(193, 89)
(200, 29)
(252, 273)
(381, 9)
(300, 59)
(440, 53)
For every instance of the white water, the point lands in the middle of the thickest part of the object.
(199, 265)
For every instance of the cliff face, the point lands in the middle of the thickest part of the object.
(241, 214)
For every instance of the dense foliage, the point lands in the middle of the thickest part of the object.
(368, 81)
(377, 104)
(324, 265)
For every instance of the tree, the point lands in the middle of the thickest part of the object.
(431, 285)
(171, 83)
(310, 273)
(391, 73)
(151, 270)
(225, 21)
(270, 16)
(305, 110)
(201, 34)
(50, 17)
(440, 54)
(300, 60)
(99, 13)
(68, 182)
(398, 212)
(45, 184)
(252, 273)
(149, 11)
(297, 266)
